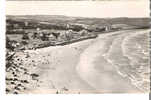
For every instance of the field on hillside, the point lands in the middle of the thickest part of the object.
(31, 32)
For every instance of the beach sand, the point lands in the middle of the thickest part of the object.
(89, 66)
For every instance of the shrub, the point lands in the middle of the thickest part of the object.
(25, 36)
(24, 42)
(9, 44)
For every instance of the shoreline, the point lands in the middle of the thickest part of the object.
(56, 67)
(61, 63)
(106, 70)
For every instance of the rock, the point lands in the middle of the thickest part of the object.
(25, 81)
(19, 85)
(12, 82)
(15, 75)
(15, 92)
(16, 88)
(7, 90)
(34, 75)
(15, 79)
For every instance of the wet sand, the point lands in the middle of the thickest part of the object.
(106, 67)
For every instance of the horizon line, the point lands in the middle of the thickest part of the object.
(78, 16)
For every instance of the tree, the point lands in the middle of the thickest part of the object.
(9, 44)
(56, 35)
(24, 42)
(44, 37)
(68, 35)
(83, 32)
(25, 36)
(35, 35)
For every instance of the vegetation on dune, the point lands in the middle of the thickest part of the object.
(17, 75)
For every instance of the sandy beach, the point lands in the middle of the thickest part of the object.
(101, 65)
(60, 74)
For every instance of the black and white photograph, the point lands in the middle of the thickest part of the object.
(63, 47)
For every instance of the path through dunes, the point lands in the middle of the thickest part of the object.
(102, 65)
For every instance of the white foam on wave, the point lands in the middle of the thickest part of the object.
(104, 80)
(134, 80)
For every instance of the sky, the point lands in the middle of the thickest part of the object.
(101, 9)
(74, 0)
